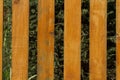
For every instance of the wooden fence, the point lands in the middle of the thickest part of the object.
(72, 39)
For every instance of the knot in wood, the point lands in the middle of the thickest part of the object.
(118, 36)
(51, 33)
(16, 1)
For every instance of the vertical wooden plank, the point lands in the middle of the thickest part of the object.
(45, 67)
(1, 35)
(20, 41)
(72, 40)
(117, 39)
(98, 35)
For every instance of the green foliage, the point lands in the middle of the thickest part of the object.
(111, 23)
(33, 40)
(59, 25)
(7, 40)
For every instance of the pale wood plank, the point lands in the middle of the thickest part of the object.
(1, 36)
(45, 66)
(117, 39)
(72, 40)
(20, 41)
(98, 35)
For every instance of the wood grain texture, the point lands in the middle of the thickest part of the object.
(1, 36)
(45, 66)
(98, 41)
(72, 40)
(117, 39)
(20, 41)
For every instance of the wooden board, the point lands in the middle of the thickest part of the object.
(98, 38)
(20, 41)
(117, 39)
(1, 36)
(72, 40)
(45, 66)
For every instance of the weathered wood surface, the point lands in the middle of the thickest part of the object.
(20, 35)
(1, 36)
(98, 35)
(45, 66)
(72, 40)
(117, 39)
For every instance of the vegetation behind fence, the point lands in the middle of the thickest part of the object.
(73, 28)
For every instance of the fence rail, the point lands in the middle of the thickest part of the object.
(98, 35)
(45, 40)
(1, 36)
(72, 39)
(20, 23)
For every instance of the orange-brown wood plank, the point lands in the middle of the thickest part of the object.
(45, 66)
(98, 41)
(1, 35)
(117, 39)
(20, 41)
(72, 40)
